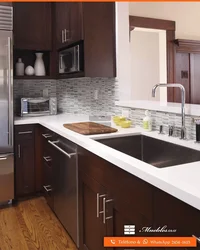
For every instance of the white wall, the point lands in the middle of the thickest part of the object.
(185, 14)
(144, 64)
(123, 50)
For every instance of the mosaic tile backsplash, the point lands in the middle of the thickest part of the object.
(77, 96)
(162, 118)
(74, 95)
(32, 88)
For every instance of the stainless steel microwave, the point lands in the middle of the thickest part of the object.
(70, 59)
(37, 106)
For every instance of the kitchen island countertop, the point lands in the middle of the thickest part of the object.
(181, 181)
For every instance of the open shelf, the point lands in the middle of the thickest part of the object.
(28, 58)
(25, 77)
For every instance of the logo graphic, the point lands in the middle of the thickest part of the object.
(145, 241)
(129, 229)
(112, 241)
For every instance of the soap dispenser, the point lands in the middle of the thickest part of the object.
(147, 121)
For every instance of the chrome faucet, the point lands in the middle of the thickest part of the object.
(175, 85)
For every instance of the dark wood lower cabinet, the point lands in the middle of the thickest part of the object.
(24, 160)
(120, 198)
(175, 214)
(92, 228)
(109, 197)
(47, 156)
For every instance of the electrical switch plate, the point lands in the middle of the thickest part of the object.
(126, 113)
(45, 92)
(96, 94)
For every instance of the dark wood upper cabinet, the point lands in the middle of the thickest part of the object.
(99, 39)
(32, 26)
(62, 23)
(68, 23)
(55, 26)
(94, 23)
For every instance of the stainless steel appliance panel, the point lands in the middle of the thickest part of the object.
(66, 185)
(6, 177)
(6, 92)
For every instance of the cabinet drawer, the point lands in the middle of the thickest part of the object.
(24, 132)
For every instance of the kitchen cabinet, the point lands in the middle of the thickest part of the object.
(47, 159)
(108, 196)
(92, 229)
(99, 39)
(68, 23)
(107, 202)
(94, 23)
(32, 26)
(60, 184)
(24, 160)
(175, 214)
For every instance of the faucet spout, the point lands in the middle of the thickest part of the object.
(154, 90)
(181, 87)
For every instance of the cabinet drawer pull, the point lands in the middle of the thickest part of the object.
(48, 188)
(19, 151)
(99, 196)
(47, 158)
(104, 210)
(46, 135)
(198, 239)
(25, 132)
(53, 143)
(63, 38)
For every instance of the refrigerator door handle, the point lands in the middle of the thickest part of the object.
(10, 109)
(3, 158)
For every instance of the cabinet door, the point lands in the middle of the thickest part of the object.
(62, 24)
(76, 22)
(24, 161)
(176, 214)
(92, 228)
(32, 26)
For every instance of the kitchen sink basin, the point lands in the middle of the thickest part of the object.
(156, 152)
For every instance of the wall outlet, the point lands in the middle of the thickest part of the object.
(96, 94)
(45, 92)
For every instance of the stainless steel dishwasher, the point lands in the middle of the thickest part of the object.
(65, 185)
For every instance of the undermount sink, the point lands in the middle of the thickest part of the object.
(156, 152)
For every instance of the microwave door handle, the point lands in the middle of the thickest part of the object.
(61, 62)
(74, 59)
(78, 59)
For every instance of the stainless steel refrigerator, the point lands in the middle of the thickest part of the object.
(6, 105)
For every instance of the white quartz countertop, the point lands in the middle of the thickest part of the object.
(181, 181)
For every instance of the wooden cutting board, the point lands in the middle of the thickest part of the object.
(89, 128)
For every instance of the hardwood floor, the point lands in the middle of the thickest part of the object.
(32, 225)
